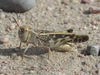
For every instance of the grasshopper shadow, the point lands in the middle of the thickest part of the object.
(19, 52)
(30, 51)
(84, 52)
(39, 51)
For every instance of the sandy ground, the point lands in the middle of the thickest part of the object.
(56, 16)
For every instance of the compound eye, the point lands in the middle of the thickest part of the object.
(23, 30)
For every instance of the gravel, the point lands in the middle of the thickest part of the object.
(56, 16)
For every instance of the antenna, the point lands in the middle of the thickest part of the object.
(16, 22)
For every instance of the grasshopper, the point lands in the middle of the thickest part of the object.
(48, 39)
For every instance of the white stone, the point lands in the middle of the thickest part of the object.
(4, 39)
(94, 28)
(2, 15)
(0, 22)
(12, 26)
(91, 0)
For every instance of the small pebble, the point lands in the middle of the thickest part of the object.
(49, 8)
(84, 63)
(31, 71)
(1, 71)
(4, 67)
(63, 2)
(98, 66)
(98, 19)
(65, 22)
(85, 28)
(62, 68)
(93, 49)
(2, 15)
(0, 22)
(7, 29)
(67, 3)
(83, 73)
(94, 22)
(94, 9)
(94, 28)
(91, 0)
(85, 1)
(56, 14)
(76, 2)
(81, 12)
(14, 55)
(12, 26)
(44, 68)
(80, 55)
(6, 61)
(58, 73)
(80, 46)
(22, 18)
(3, 39)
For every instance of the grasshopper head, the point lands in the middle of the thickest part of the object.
(23, 33)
